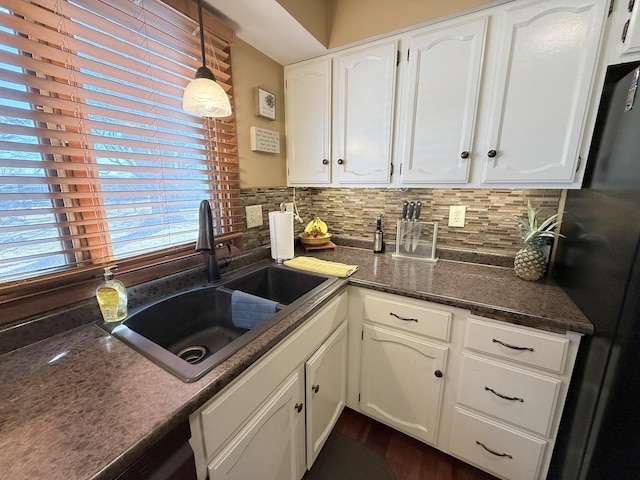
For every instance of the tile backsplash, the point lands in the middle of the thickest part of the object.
(489, 226)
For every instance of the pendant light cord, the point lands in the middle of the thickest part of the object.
(203, 71)
(204, 63)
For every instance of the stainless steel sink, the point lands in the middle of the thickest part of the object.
(191, 332)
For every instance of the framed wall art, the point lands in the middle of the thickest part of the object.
(265, 103)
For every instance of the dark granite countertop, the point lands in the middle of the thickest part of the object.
(82, 405)
(489, 291)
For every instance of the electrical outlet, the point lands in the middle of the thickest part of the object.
(456, 215)
(254, 216)
(289, 206)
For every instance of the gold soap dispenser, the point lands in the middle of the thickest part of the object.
(112, 297)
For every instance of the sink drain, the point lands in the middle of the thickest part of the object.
(193, 354)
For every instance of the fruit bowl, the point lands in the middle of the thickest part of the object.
(311, 240)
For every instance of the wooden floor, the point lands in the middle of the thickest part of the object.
(409, 459)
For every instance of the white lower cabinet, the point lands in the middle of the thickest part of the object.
(255, 450)
(401, 383)
(503, 451)
(487, 392)
(255, 427)
(326, 390)
(526, 399)
(403, 364)
(512, 385)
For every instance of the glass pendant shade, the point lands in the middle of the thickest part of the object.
(204, 96)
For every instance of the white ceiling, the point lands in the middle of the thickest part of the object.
(269, 28)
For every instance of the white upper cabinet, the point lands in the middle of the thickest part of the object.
(631, 30)
(440, 107)
(500, 98)
(545, 69)
(340, 124)
(308, 108)
(364, 101)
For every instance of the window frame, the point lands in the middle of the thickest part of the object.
(29, 297)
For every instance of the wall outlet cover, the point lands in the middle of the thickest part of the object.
(289, 206)
(457, 215)
(254, 216)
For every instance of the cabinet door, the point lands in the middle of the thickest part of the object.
(363, 113)
(545, 71)
(308, 107)
(271, 445)
(326, 384)
(442, 89)
(632, 37)
(401, 381)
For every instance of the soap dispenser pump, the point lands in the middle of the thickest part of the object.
(378, 237)
(112, 297)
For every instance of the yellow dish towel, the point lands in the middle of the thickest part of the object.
(312, 264)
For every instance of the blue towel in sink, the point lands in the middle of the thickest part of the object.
(247, 310)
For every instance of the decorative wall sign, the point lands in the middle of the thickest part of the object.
(265, 103)
(263, 140)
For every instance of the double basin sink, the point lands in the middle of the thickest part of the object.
(192, 331)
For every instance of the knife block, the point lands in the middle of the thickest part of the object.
(416, 239)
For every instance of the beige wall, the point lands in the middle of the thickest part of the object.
(251, 69)
(314, 16)
(355, 20)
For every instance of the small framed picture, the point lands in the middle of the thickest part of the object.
(265, 103)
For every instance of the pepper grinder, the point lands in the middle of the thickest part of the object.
(378, 237)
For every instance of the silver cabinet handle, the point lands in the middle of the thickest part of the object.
(513, 347)
(503, 396)
(404, 319)
(493, 452)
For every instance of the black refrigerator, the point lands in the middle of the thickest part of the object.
(598, 265)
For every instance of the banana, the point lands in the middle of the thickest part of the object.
(316, 227)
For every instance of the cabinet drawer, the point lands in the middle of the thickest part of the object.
(523, 398)
(408, 315)
(518, 344)
(506, 453)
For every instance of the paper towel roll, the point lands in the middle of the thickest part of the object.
(281, 233)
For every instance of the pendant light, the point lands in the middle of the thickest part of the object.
(204, 96)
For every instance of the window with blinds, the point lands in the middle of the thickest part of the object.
(98, 162)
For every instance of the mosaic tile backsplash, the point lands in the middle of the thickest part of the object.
(489, 226)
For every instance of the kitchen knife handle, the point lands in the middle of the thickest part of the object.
(418, 208)
(412, 205)
(405, 205)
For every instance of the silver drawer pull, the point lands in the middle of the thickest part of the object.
(503, 396)
(513, 347)
(493, 452)
(404, 319)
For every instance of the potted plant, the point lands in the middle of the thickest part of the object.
(531, 261)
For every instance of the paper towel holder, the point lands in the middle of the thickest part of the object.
(281, 234)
